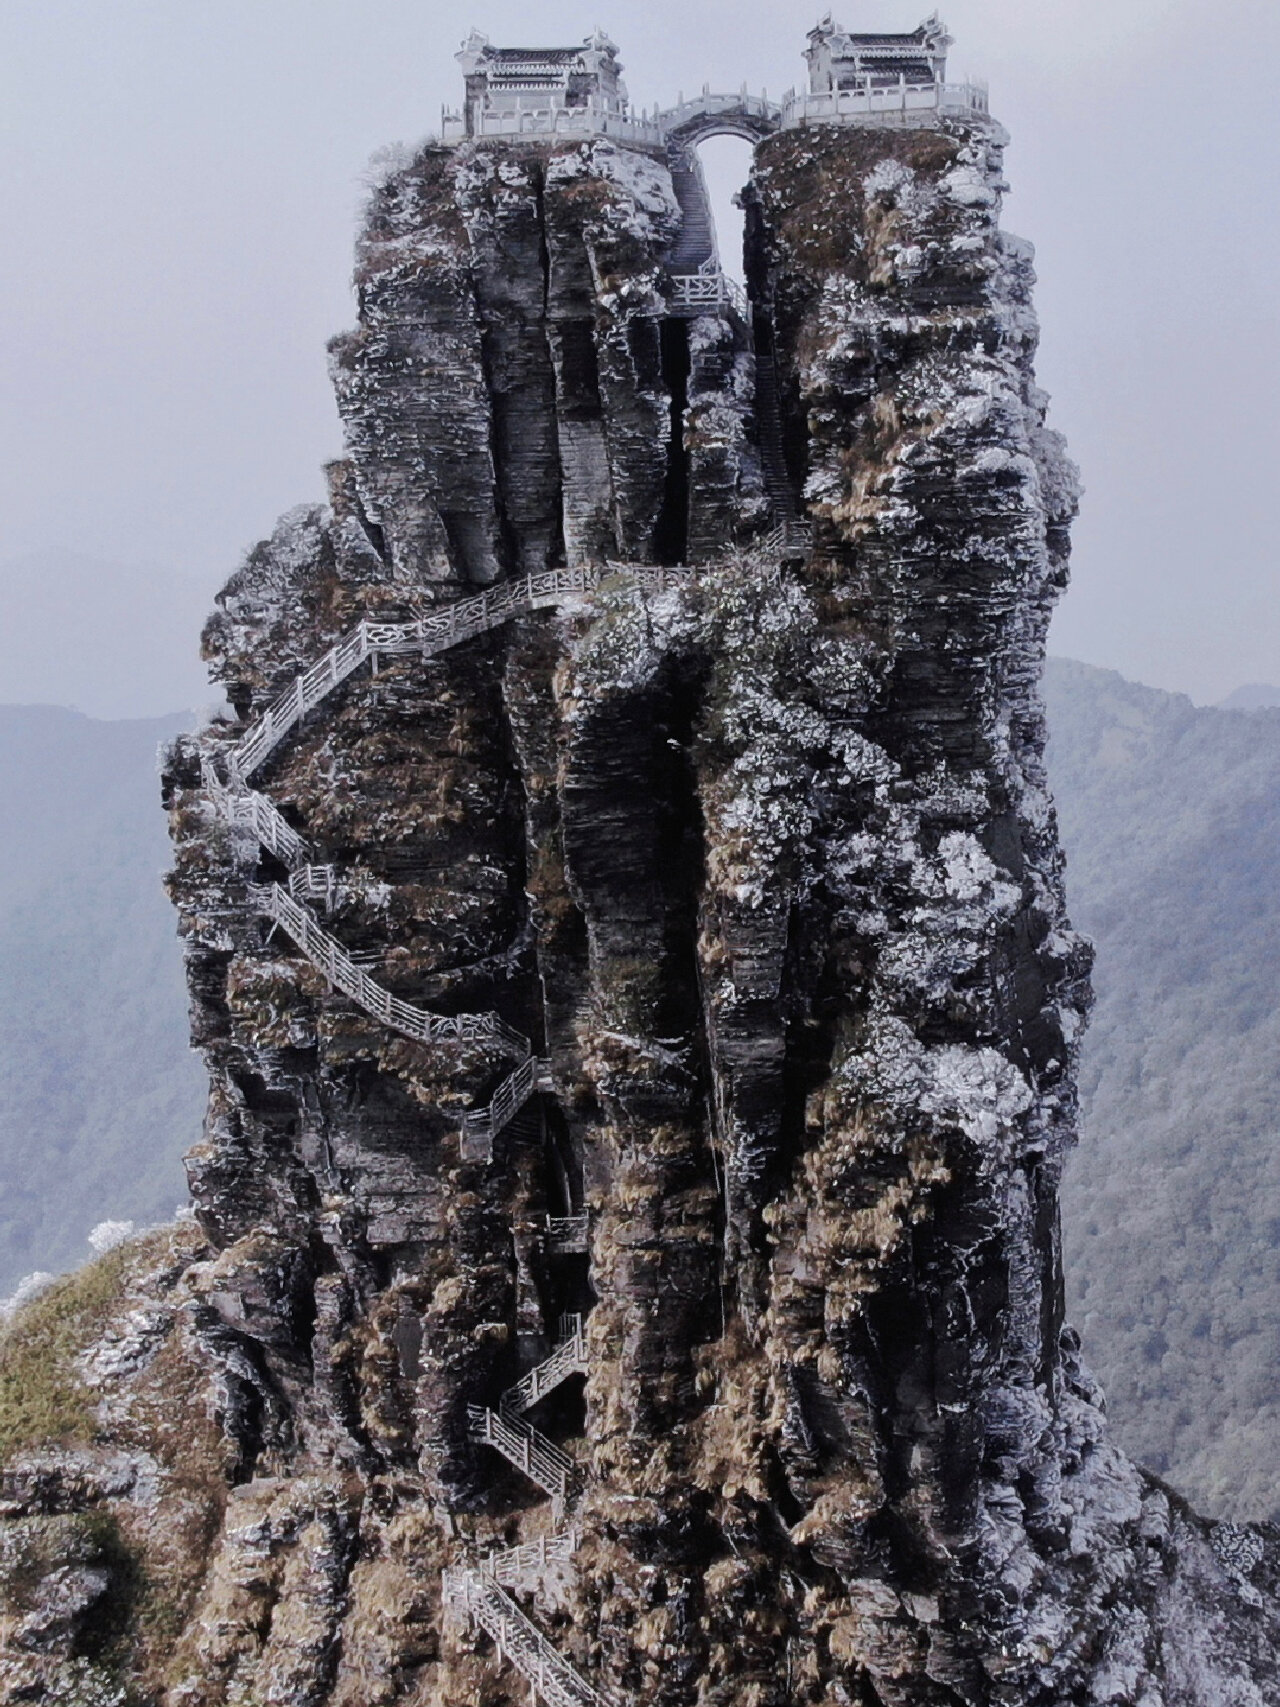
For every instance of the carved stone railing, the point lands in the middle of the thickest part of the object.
(486, 1603)
(567, 1235)
(788, 537)
(543, 118)
(757, 112)
(482, 1127)
(328, 956)
(569, 1358)
(704, 292)
(314, 883)
(247, 809)
(429, 634)
(522, 1445)
(239, 805)
(739, 113)
(893, 104)
(526, 1568)
(480, 1592)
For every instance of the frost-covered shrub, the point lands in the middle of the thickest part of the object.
(108, 1234)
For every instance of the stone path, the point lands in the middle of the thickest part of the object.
(479, 1592)
(240, 806)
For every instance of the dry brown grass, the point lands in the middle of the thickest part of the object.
(42, 1400)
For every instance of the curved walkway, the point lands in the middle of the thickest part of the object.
(328, 956)
(480, 1592)
(739, 114)
(239, 805)
(428, 635)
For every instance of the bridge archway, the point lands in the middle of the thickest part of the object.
(709, 132)
(752, 117)
(752, 128)
(725, 158)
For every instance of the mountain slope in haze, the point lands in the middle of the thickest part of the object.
(127, 635)
(1170, 815)
(1171, 818)
(99, 1093)
(1253, 696)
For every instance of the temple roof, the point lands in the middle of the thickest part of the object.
(544, 55)
(930, 36)
(478, 47)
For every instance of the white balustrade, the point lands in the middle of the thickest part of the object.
(528, 1567)
(481, 1128)
(787, 537)
(888, 103)
(329, 957)
(431, 633)
(704, 292)
(314, 883)
(893, 103)
(487, 1604)
(567, 1234)
(522, 1445)
(569, 1358)
(243, 807)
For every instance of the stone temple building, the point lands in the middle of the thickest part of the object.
(840, 60)
(502, 81)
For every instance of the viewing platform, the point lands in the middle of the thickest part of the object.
(855, 79)
(735, 114)
(901, 103)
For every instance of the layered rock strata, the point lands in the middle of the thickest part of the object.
(762, 862)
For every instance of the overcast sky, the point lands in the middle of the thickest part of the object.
(180, 184)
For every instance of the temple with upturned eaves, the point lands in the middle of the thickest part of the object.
(888, 79)
(841, 61)
(507, 80)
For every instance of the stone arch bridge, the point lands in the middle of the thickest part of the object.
(752, 117)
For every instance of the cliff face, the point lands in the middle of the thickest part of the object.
(759, 859)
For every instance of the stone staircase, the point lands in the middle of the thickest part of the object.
(480, 1593)
(696, 243)
(569, 1358)
(517, 1440)
(481, 1128)
(327, 955)
(778, 484)
(478, 1597)
(245, 808)
(698, 284)
(541, 1460)
(427, 635)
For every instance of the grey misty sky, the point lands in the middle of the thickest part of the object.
(181, 181)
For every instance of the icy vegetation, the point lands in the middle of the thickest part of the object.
(744, 835)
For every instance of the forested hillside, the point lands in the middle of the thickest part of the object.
(1171, 817)
(99, 1094)
(1171, 820)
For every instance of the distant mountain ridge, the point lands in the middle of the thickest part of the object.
(1171, 818)
(1170, 815)
(1253, 696)
(99, 1094)
(127, 635)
